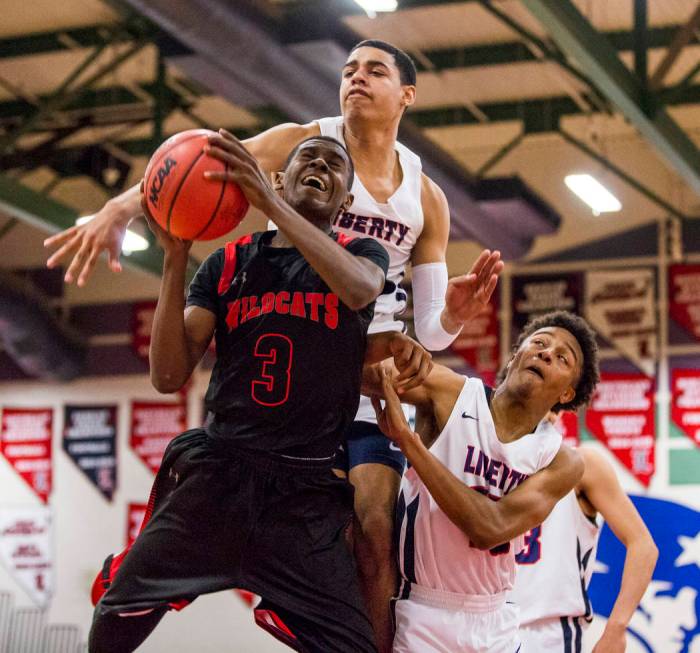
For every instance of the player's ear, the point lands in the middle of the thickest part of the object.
(408, 95)
(278, 181)
(347, 203)
(567, 395)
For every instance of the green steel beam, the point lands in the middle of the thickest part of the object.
(19, 201)
(598, 59)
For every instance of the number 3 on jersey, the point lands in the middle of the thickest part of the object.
(271, 388)
(533, 548)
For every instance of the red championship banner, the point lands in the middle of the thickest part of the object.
(621, 416)
(135, 512)
(153, 425)
(685, 409)
(25, 549)
(684, 296)
(141, 325)
(25, 440)
(479, 343)
(567, 425)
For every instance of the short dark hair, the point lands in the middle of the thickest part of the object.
(407, 69)
(329, 139)
(579, 328)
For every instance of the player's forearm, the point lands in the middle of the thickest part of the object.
(346, 276)
(640, 561)
(477, 516)
(126, 207)
(169, 352)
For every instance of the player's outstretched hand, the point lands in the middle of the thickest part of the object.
(390, 417)
(171, 246)
(468, 294)
(242, 169)
(104, 232)
(412, 361)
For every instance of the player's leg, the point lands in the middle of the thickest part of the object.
(375, 472)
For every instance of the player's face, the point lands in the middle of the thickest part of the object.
(548, 363)
(316, 179)
(371, 86)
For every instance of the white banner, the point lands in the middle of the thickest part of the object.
(620, 307)
(26, 551)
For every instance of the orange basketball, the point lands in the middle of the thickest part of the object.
(181, 200)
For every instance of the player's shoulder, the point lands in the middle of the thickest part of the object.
(597, 469)
(433, 198)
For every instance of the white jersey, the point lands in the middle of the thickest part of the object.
(433, 552)
(396, 224)
(556, 565)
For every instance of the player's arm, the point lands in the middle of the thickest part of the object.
(356, 279)
(179, 335)
(486, 523)
(412, 361)
(105, 232)
(603, 491)
(440, 307)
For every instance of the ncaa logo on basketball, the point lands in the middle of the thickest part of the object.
(159, 178)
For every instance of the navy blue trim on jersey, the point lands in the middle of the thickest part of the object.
(582, 566)
(409, 547)
(367, 444)
(567, 634)
(579, 635)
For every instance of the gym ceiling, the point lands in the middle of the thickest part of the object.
(512, 96)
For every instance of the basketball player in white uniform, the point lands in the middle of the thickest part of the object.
(485, 468)
(394, 203)
(556, 565)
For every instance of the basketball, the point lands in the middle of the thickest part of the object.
(181, 200)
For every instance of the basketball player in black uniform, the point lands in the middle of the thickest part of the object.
(251, 501)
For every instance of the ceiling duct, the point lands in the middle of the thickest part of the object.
(246, 63)
(40, 345)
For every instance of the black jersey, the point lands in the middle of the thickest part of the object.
(289, 352)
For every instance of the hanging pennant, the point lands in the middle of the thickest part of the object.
(479, 343)
(620, 307)
(25, 440)
(153, 425)
(621, 416)
(141, 326)
(567, 425)
(89, 439)
(684, 296)
(25, 549)
(535, 295)
(685, 408)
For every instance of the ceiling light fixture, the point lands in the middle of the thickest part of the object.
(372, 7)
(593, 193)
(132, 241)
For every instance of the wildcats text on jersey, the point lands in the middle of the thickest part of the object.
(314, 306)
(495, 472)
(381, 228)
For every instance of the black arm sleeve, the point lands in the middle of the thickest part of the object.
(371, 249)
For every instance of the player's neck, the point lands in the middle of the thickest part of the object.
(513, 417)
(372, 146)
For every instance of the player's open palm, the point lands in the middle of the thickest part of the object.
(390, 417)
(103, 232)
(611, 643)
(468, 294)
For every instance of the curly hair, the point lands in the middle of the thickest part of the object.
(579, 328)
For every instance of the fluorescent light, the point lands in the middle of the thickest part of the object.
(593, 193)
(132, 241)
(371, 7)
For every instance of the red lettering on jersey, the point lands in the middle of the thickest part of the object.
(282, 303)
(244, 309)
(298, 305)
(344, 240)
(268, 303)
(314, 300)
(331, 316)
(254, 310)
(234, 310)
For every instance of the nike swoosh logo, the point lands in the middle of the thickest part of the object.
(465, 416)
(394, 447)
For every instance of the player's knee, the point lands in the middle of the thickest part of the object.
(375, 532)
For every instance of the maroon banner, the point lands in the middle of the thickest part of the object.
(153, 425)
(621, 416)
(141, 325)
(685, 407)
(479, 342)
(567, 425)
(534, 295)
(25, 440)
(684, 296)
(135, 512)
